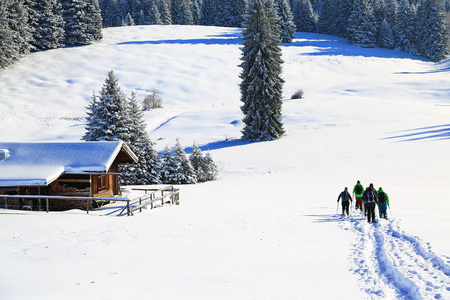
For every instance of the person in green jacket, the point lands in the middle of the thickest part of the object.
(383, 203)
(358, 192)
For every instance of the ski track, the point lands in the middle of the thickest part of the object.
(395, 265)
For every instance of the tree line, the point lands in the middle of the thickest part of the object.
(112, 116)
(36, 25)
(413, 26)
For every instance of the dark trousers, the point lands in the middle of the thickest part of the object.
(345, 207)
(370, 213)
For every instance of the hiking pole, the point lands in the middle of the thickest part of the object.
(337, 207)
(390, 210)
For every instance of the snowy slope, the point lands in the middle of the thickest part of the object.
(268, 229)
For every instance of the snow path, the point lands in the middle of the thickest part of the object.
(395, 265)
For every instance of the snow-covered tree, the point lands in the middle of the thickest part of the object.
(204, 166)
(304, 16)
(176, 167)
(108, 119)
(182, 12)
(386, 36)
(48, 24)
(261, 86)
(404, 29)
(93, 22)
(166, 15)
(155, 15)
(432, 34)
(82, 21)
(18, 21)
(9, 51)
(147, 170)
(362, 29)
(286, 20)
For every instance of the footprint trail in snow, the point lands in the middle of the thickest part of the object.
(395, 265)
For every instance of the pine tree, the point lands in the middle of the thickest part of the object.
(404, 29)
(155, 15)
(182, 12)
(82, 21)
(386, 36)
(9, 51)
(197, 161)
(108, 119)
(176, 167)
(261, 86)
(432, 35)
(286, 21)
(48, 24)
(93, 21)
(74, 21)
(166, 15)
(362, 25)
(147, 170)
(211, 167)
(18, 21)
(304, 16)
(203, 165)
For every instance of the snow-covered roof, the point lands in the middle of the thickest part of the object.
(38, 164)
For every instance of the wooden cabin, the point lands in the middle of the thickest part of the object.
(88, 169)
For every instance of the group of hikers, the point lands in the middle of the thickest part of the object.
(366, 201)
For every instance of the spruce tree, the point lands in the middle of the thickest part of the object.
(108, 119)
(176, 167)
(94, 22)
(204, 166)
(286, 21)
(147, 170)
(182, 12)
(48, 24)
(18, 21)
(304, 16)
(9, 51)
(432, 35)
(404, 29)
(82, 21)
(386, 37)
(362, 26)
(261, 86)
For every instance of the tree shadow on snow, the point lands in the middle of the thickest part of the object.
(328, 45)
(219, 145)
(330, 218)
(440, 132)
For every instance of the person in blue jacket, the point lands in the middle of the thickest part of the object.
(346, 199)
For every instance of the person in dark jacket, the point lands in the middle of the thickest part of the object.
(383, 203)
(346, 199)
(370, 201)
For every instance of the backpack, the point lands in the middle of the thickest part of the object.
(382, 198)
(358, 189)
(344, 196)
(370, 197)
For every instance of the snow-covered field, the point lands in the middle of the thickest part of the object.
(268, 229)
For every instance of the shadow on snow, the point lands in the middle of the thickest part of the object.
(439, 132)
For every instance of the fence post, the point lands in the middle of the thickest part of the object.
(46, 204)
(140, 202)
(128, 208)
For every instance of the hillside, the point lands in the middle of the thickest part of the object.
(268, 229)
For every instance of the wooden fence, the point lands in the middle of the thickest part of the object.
(149, 198)
(153, 195)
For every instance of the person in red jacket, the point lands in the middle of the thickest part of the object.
(346, 199)
(358, 192)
